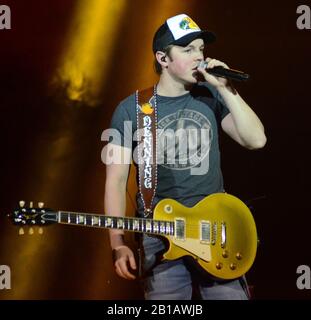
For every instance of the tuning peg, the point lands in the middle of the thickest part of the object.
(30, 231)
(40, 231)
(31, 204)
(40, 205)
(21, 203)
(21, 231)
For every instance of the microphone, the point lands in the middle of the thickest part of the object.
(224, 73)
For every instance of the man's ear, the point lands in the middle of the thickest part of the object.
(161, 58)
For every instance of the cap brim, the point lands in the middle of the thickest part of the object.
(206, 36)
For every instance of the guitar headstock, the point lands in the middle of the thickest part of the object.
(32, 216)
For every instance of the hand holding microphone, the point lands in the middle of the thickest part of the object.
(220, 71)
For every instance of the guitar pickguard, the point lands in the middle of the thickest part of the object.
(196, 247)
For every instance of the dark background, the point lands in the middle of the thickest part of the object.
(75, 263)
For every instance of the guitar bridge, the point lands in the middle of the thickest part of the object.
(214, 233)
(223, 234)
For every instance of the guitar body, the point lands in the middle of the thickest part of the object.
(219, 232)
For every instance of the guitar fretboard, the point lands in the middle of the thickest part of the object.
(124, 223)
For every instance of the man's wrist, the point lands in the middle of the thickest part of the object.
(115, 252)
(117, 240)
(119, 247)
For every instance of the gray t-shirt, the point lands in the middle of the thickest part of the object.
(188, 149)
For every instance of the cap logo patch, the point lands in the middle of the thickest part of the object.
(187, 23)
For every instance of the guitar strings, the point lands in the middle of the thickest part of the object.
(189, 226)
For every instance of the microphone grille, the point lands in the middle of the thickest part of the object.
(202, 64)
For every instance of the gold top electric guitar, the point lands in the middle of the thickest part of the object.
(219, 232)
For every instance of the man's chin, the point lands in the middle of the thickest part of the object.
(194, 78)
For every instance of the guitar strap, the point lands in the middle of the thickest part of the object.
(146, 111)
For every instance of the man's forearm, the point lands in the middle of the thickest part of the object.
(248, 125)
(115, 205)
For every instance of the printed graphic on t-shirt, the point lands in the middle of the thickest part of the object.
(184, 140)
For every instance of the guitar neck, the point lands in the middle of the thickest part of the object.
(134, 224)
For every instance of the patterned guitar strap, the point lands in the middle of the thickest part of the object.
(147, 147)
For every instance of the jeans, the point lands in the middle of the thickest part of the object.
(181, 279)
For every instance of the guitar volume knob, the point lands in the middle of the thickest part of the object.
(232, 266)
(218, 265)
(225, 254)
(238, 256)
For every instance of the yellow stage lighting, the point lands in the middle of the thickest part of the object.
(90, 45)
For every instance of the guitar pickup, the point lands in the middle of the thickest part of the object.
(180, 229)
(205, 231)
